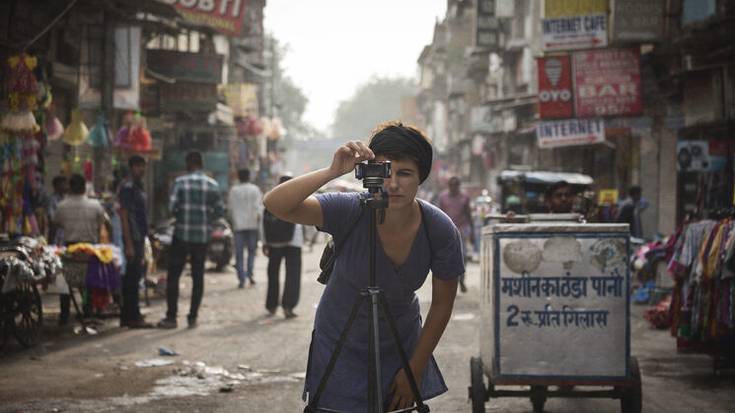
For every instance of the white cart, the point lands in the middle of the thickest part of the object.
(555, 315)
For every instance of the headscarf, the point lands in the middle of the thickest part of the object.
(406, 141)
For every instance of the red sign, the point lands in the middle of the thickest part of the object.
(225, 16)
(555, 87)
(607, 82)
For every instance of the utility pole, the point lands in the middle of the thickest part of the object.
(107, 97)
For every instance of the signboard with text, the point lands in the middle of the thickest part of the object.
(225, 16)
(182, 96)
(607, 82)
(558, 302)
(570, 132)
(637, 21)
(190, 67)
(574, 32)
(555, 87)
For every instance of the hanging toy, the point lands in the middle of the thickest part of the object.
(99, 135)
(88, 170)
(22, 90)
(140, 138)
(52, 125)
(77, 131)
(122, 135)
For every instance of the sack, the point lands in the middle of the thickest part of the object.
(326, 262)
(276, 230)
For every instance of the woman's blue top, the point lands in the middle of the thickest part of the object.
(347, 386)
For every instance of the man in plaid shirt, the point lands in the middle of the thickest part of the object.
(195, 202)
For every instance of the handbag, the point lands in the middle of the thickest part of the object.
(330, 252)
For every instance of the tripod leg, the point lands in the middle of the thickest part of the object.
(421, 407)
(333, 358)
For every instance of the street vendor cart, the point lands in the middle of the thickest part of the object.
(555, 316)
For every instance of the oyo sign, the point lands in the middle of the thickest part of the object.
(225, 16)
(555, 87)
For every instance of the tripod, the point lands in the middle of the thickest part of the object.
(377, 303)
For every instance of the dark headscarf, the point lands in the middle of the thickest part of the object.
(405, 141)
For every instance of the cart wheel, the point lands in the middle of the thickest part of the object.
(477, 388)
(538, 398)
(632, 400)
(29, 318)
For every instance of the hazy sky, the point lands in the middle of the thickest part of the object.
(337, 45)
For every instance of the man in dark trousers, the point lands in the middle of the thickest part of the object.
(195, 202)
(282, 240)
(134, 218)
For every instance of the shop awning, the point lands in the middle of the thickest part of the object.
(545, 177)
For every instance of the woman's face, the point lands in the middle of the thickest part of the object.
(403, 184)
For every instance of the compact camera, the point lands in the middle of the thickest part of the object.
(372, 169)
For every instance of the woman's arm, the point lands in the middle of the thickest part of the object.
(291, 200)
(442, 301)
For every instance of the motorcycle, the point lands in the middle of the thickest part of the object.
(220, 247)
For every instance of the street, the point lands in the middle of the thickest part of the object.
(239, 360)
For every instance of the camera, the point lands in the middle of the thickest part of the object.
(372, 169)
(372, 173)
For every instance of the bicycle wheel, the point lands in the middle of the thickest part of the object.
(29, 316)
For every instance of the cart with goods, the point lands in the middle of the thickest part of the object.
(24, 265)
(555, 315)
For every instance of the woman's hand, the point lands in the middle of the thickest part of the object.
(348, 155)
(402, 395)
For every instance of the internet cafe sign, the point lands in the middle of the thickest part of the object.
(570, 132)
(555, 87)
(574, 32)
(225, 16)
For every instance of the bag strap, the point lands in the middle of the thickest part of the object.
(425, 225)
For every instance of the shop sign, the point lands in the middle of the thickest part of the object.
(574, 32)
(607, 82)
(701, 156)
(637, 21)
(555, 87)
(225, 16)
(562, 8)
(570, 132)
(185, 66)
(182, 96)
(607, 197)
(242, 98)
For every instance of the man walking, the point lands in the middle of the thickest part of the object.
(245, 203)
(630, 209)
(282, 240)
(456, 204)
(196, 203)
(134, 218)
(81, 219)
(60, 185)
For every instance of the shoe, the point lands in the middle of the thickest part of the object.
(289, 313)
(271, 311)
(252, 281)
(167, 323)
(241, 285)
(140, 323)
(191, 322)
(462, 287)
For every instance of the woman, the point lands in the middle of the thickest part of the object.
(409, 245)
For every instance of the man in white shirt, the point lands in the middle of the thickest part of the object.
(245, 203)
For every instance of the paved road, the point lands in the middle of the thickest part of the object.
(239, 360)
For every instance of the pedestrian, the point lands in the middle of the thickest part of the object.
(559, 198)
(195, 203)
(283, 240)
(134, 219)
(245, 204)
(60, 185)
(456, 203)
(81, 220)
(415, 237)
(630, 209)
